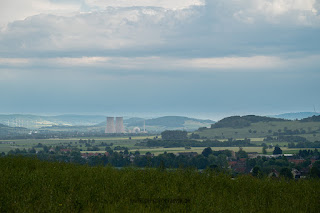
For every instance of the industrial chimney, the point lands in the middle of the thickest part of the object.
(119, 125)
(110, 125)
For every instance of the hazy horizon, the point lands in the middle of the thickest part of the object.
(208, 59)
(126, 115)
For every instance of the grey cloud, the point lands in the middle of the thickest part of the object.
(221, 28)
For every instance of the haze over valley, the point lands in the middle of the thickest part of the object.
(159, 106)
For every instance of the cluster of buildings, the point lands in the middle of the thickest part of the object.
(116, 126)
(240, 165)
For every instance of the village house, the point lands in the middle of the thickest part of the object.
(238, 166)
(296, 173)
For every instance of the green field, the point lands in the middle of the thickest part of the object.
(29, 143)
(28, 185)
(125, 142)
(262, 128)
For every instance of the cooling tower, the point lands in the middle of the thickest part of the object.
(110, 125)
(119, 125)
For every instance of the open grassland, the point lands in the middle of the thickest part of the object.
(262, 129)
(28, 185)
(29, 143)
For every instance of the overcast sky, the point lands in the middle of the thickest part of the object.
(186, 57)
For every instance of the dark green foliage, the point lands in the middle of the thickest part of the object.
(94, 148)
(241, 153)
(207, 151)
(194, 136)
(277, 150)
(286, 173)
(283, 138)
(234, 122)
(315, 118)
(256, 172)
(28, 185)
(174, 135)
(194, 143)
(308, 153)
(264, 150)
(315, 144)
(315, 170)
(137, 153)
(126, 152)
(120, 148)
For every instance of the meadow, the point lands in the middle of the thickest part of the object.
(29, 185)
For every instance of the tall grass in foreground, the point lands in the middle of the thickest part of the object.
(29, 185)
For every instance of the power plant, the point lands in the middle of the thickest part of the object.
(119, 128)
(119, 125)
(110, 126)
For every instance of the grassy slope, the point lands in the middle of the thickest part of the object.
(32, 186)
(262, 130)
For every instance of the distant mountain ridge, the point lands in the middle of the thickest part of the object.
(165, 123)
(99, 122)
(169, 121)
(38, 121)
(295, 115)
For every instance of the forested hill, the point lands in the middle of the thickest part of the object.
(312, 119)
(242, 121)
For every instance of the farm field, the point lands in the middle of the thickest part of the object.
(25, 182)
(5, 145)
(130, 144)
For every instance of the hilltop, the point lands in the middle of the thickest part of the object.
(242, 121)
(296, 115)
(251, 126)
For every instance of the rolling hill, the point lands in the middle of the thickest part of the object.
(36, 121)
(98, 122)
(261, 127)
(165, 123)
